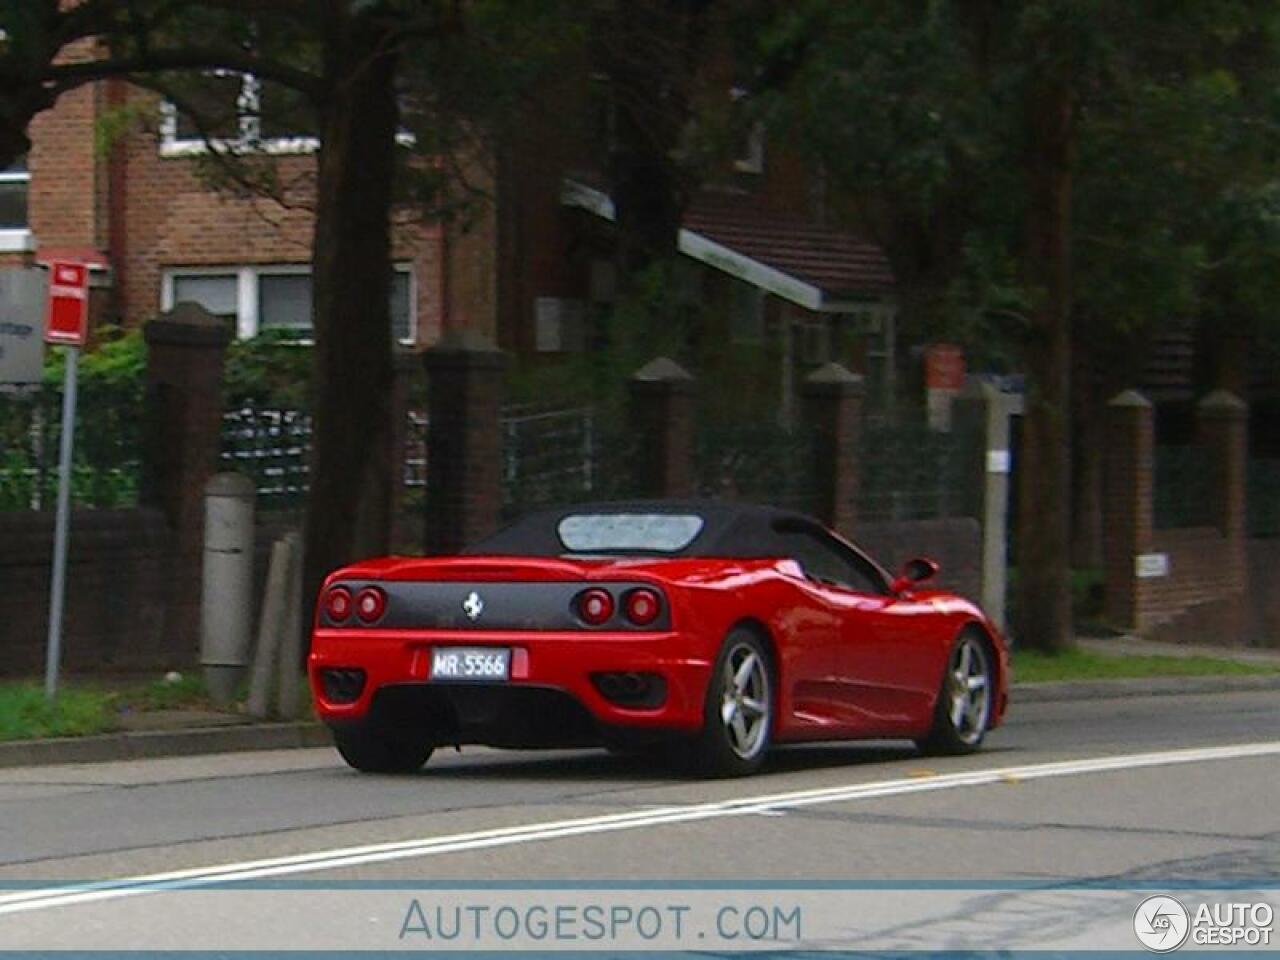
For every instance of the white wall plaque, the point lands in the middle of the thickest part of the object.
(1147, 566)
(998, 461)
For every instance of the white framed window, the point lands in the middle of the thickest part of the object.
(240, 114)
(15, 226)
(275, 297)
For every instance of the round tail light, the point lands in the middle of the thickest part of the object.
(338, 604)
(371, 604)
(642, 607)
(595, 606)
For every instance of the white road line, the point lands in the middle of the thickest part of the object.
(48, 897)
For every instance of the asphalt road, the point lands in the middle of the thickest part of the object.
(873, 814)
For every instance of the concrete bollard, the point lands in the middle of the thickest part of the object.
(226, 603)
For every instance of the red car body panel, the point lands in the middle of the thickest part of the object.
(848, 664)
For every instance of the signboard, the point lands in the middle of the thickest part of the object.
(68, 303)
(998, 461)
(1149, 566)
(22, 298)
(943, 381)
(943, 367)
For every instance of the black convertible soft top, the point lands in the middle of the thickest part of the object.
(739, 530)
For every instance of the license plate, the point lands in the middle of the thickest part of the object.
(470, 663)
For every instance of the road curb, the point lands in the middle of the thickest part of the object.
(162, 743)
(1139, 687)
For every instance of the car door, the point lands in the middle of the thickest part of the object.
(874, 668)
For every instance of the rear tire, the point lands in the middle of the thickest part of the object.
(963, 709)
(371, 748)
(738, 717)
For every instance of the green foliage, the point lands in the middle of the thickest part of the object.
(270, 370)
(653, 318)
(25, 712)
(916, 111)
(116, 122)
(1030, 666)
(187, 692)
(266, 372)
(116, 365)
(109, 416)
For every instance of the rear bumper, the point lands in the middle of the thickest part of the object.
(549, 700)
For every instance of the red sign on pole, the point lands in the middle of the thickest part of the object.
(68, 315)
(944, 367)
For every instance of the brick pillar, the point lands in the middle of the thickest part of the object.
(832, 404)
(464, 440)
(186, 350)
(662, 415)
(1127, 532)
(1223, 424)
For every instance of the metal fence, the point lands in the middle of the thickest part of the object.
(548, 456)
(1180, 491)
(762, 463)
(908, 471)
(271, 446)
(108, 444)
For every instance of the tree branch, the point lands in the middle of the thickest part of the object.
(67, 76)
(233, 163)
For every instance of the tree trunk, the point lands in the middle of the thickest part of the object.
(348, 510)
(1044, 495)
(652, 49)
(1088, 403)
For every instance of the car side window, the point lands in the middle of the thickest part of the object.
(827, 561)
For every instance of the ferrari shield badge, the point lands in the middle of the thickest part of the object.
(473, 606)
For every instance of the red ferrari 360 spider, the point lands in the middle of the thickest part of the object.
(721, 627)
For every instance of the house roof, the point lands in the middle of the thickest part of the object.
(836, 262)
(817, 267)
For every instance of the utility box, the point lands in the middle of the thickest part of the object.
(226, 602)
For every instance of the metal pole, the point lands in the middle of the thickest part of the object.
(1000, 410)
(53, 652)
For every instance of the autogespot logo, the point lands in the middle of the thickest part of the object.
(1161, 923)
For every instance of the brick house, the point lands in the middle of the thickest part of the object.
(526, 272)
(758, 242)
(155, 233)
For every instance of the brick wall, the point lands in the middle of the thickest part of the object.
(67, 176)
(1201, 599)
(1181, 585)
(119, 583)
(1263, 607)
(120, 587)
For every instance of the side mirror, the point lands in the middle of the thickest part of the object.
(914, 571)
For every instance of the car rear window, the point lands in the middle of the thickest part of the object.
(628, 532)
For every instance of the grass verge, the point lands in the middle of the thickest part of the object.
(78, 711)
(1032, 667)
